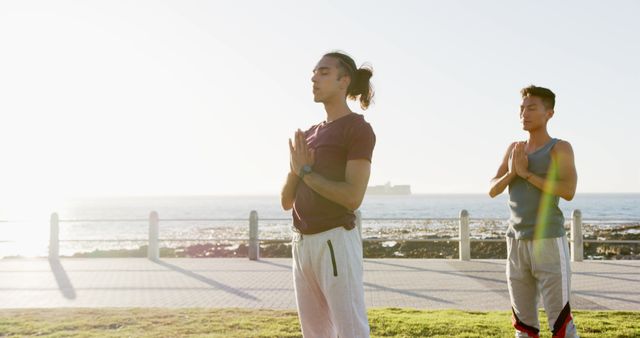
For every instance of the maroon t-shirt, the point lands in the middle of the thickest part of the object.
(347, 138)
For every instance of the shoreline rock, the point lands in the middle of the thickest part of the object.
(445, 249)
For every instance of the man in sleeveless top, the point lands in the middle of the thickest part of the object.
(330, 165)
(538, 172)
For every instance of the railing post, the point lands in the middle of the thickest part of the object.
(54, 232)
(153, 250)
(359, 222)
(465, 245)
(254, 243)
(577, 249)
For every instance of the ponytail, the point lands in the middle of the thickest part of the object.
(361, 86)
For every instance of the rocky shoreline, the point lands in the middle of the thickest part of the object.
(399, 248)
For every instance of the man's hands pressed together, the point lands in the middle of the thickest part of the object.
(299, 153)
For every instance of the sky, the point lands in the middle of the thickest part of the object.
(101, 98)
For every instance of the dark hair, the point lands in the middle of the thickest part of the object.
(360, 85)
(546, 95)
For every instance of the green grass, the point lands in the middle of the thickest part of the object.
(387, 322)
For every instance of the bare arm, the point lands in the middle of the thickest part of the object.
(288, 194)
(562, 177)
(349, 193)
(505, 174)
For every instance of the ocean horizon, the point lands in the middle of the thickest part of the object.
(428, 205)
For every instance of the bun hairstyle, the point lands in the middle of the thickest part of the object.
(360, 86)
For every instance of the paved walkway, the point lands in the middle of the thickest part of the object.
(229, 282)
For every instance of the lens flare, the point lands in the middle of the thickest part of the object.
(547, 202)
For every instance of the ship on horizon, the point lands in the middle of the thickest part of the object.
(388, 189)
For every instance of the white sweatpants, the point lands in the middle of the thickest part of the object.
(327, 278)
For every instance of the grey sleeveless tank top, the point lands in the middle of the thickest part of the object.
(534, 213)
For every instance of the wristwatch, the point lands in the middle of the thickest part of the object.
(305, 170)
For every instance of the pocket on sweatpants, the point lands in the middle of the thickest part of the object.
(333, 258)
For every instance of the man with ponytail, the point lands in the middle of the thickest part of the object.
(538, 172)
(330, 165)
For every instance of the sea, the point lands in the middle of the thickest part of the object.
(110, 223)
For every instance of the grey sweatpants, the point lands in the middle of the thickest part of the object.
(327, 278)
(540, 267)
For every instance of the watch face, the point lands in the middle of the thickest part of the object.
(307, 169)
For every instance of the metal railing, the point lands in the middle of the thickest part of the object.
(464, 240)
